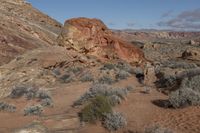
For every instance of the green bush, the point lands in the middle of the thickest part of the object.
(96, 109)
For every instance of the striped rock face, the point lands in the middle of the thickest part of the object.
(23, 28)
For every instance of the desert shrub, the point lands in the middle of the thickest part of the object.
(176, 64)
(47, 102)
(125, 67)
(108, 66)
(184, 97)
(121, 75)
(29, 93)
(106, 80)
(129, 88)
(75, 69)
(56, 72)
(87, 77)
(139, 73)
(33, 110)
(114, 121)
(121, 65)
(157, 129)
(19, 91)
(101, 89)
(115, 100)
(187, 94)
(42, 94)
(96, 109)
(191, 82)
(138, 70)
(7, 107)
(167, 82)
(66, 78)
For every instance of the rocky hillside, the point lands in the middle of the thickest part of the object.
(22, 27)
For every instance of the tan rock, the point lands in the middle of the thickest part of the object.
(191, 54)
(149, 75)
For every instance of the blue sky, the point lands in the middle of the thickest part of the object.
(123, 14)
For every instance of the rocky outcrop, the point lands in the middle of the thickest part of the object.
(192, 54)
(91, 36)
(23, 28)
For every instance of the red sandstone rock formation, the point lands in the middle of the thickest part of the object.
(91, 36)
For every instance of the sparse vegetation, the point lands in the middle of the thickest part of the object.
(7, 107)
(106, 80)
(114, 121)
(66, 78)
(56, 72)
(87, 77)
(101, 89)
(121, 75)
(19, 91)
(47, 102)
(108, 66)
(184, 97)
(32, 93)
(99, 101)
(167, 82)
(125, 67)
(75, 69)
(96, 109)
(114, 100)
(33, 110)
(178, 64)
(122, 70)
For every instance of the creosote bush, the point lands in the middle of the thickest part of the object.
(96, 109)
(7, 107)
(114, 121)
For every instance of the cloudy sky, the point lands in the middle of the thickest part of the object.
(128, 14)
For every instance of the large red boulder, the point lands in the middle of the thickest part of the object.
(91, 36)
